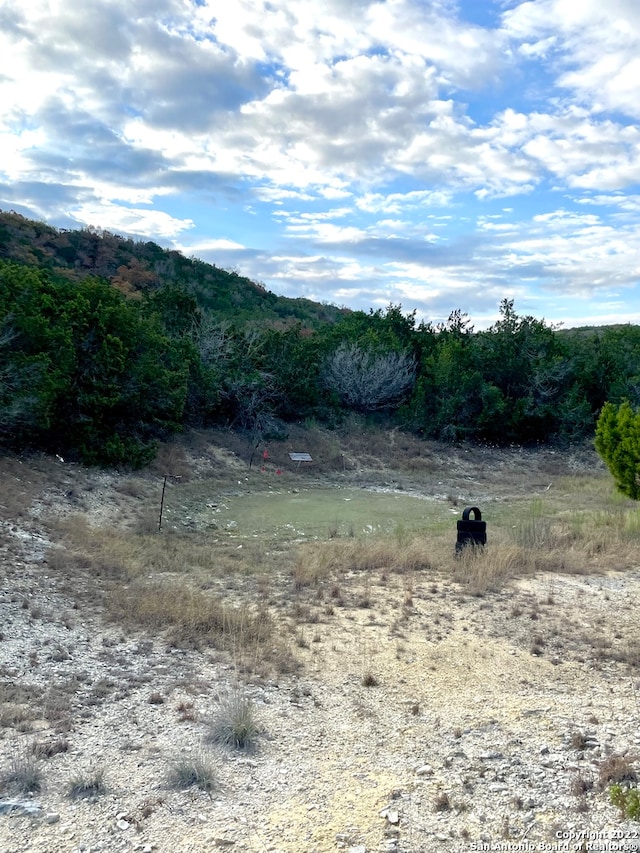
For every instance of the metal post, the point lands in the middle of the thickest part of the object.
(164, 486)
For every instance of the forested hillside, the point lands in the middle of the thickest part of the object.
(107, 345)
(140, 268)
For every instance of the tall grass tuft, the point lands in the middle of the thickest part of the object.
(322, 561)
(234, 722)
(482, 570)
(535, 530)
(87, 784)
(23, 775)
(193, 772)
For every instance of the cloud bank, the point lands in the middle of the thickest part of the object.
(409, 151)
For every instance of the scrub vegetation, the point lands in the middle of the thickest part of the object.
(198, 546)
(334, 608)
(109, 346)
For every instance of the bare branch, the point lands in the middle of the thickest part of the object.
(366, 380)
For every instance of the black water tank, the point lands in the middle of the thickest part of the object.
(471, 531)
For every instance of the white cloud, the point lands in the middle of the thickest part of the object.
(361, 128)
(215, 245)
(464, 54)
(130, 220)
(582, 150)
(595, 47)
(397, 202)
(325, 232)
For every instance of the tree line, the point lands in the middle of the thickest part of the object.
(100, 372)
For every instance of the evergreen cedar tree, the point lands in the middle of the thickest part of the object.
(618, 443)
(108, 345)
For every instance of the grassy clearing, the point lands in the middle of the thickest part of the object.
(597, 533)
(185, 586)
(202, 587)
(247, 588)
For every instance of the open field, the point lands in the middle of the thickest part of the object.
(298, 662)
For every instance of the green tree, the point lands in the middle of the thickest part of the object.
(524, 373)
(456, 380)
(36, 354)
(84, 371)
(618, 443)
(293, 358)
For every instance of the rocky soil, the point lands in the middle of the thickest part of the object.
(426, 720)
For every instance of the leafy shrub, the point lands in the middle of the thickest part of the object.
(618, 443)
(83, 370)
(627, 800)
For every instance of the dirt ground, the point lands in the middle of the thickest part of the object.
(408, 714)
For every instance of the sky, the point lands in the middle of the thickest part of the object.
(432, 154)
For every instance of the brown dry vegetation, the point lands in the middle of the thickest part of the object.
(273, 607)
(199, 587)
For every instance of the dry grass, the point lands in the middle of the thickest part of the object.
(87, 784)
(49, 748)
(17, 717)
(23, 479)
(193, 772)
(18, 705)
(193, 617)
(543, 539)
(171, 461)
(234, 722)
(481, 570)
(23, 775)
(119, 554)
(582, 783)
(617, 768)
(181, 585)
(319, 562)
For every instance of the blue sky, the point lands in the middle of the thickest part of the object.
(435, 154)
